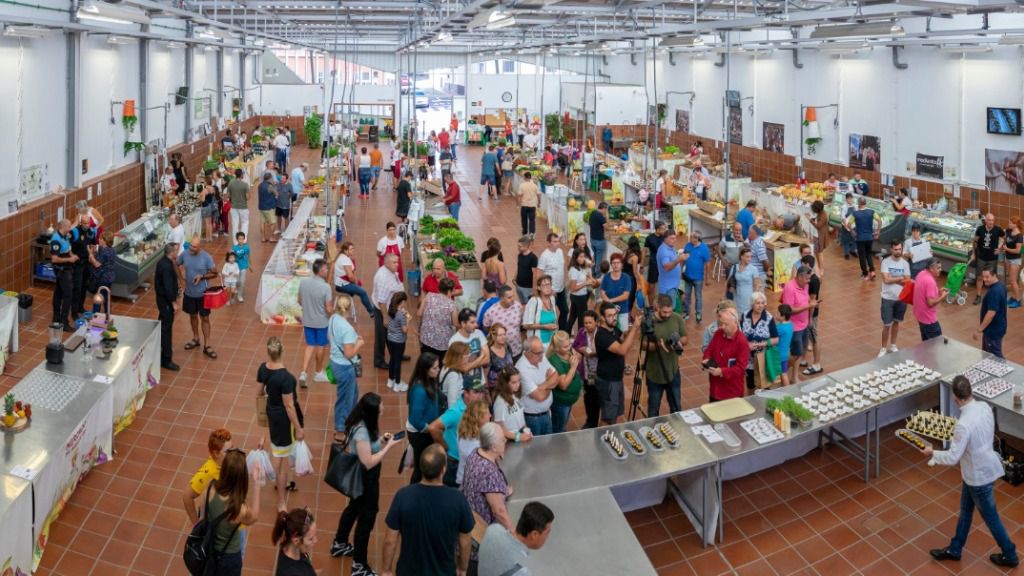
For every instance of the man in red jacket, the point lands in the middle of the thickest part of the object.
(725, 359)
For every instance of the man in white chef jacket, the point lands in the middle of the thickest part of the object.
(980, 467)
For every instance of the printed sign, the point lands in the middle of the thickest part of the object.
(930, 166)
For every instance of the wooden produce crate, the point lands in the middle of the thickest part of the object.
(470, 271)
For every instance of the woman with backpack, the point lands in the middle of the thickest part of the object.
(229, 506)
(366, 441)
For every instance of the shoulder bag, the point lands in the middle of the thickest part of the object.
(344, 470)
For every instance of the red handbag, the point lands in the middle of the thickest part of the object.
(907, 293)
(215, 297)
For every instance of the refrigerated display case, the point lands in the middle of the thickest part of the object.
(894, 224)
(951, 236)
(138, 247)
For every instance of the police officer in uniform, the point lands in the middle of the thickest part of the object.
(82, 235)
(63, 260)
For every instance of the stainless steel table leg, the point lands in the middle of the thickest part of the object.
(721, 508)
(704, 509)
(878, 444)
(867, 446)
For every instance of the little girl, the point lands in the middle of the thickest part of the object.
(230, 273)
(398, 328)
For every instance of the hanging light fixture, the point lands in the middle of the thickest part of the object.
(103, 12)
(811, 122)
(873, 29)
(27, 31)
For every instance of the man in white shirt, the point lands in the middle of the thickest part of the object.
(552, 263)
(176, 233)
(530, 141)
(538, 378)
(281, 144)
(980, 467)
(479, 353)
(385, 285)
(895, 272)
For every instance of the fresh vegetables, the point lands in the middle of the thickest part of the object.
(671, 149)
(450, 263)
(455, 239)
(790, 407)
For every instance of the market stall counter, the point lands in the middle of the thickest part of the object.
(139, 247)
(303, 242)
(70, 431)
(996, 382)
(16, 518)
(130, 370)
(8, 329)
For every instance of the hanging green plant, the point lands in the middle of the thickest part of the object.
(812, 144)
(129, 122)
(129, 146)
(333, 151)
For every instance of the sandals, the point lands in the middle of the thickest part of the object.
(192, 345)
(210, 353)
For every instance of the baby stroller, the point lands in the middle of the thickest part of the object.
(954, 282)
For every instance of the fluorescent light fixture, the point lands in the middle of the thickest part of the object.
(173, 44)
(758, 52)
(103, 12)
(503, 21)
(210, 48)
(1012, 40)
(964, 48)
(596, 46)
(121, 40)
(207, 33)
(843, 47)
(444, 37)
(28, 31)
(874, 29)
(681, 41)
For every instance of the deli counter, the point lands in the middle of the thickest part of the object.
(951, 236)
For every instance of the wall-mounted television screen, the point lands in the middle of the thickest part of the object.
(1003, 121)
(732, 98)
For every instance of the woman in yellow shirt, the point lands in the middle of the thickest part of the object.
(218, 444)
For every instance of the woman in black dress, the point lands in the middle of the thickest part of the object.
(283, 413)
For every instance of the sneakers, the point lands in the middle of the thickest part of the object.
(882, 352)
(362, 570)
(391, 384)
(400, 387)
(320, 377)
(240, 299)
(342, 549)
(302, 380)
(893, 348)
(698, 319)
(1013, 303)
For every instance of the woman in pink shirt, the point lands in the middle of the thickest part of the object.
(796, 294)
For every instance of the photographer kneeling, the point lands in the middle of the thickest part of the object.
(665, 341)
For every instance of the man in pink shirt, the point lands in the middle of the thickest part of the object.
(926, 297)
(797, 296)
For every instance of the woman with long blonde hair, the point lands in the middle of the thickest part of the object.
(477, 414)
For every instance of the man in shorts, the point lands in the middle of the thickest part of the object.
(284, 203)
(488, 168)
(267, 206)
(895, 273)
(796, 294)
(988, 242)
(316, 298)
(195, 269)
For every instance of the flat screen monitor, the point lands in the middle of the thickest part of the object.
(1003, 121)
(732, 98)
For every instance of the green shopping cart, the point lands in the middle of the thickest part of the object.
(954, 281)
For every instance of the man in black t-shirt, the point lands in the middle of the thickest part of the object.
(404, 191)
(598, 218)
(431, 519)
(526, 270)
(612, 348)
(988, 242)
(652, 243)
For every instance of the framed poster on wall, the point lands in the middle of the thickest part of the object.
(773, 137)
(1004, 171)
(736, 125)
(683, 121)
(864, 151)
(930, 166)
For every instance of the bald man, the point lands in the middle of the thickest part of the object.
(988, 243)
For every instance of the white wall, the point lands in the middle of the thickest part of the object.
(34, 111)
(110, 72)
(289, 99)
(489, 88)
(166, 75)
(936, 106)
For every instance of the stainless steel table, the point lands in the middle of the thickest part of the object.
(589, 536)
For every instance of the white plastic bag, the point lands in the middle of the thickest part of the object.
(267, 465)
(303, 459)
(252, 459)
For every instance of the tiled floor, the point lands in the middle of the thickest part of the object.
(810, 515)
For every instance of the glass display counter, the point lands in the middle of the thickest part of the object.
(138, 247)
(894, 224)
(950, 235)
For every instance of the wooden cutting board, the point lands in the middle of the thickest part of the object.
(727, 409)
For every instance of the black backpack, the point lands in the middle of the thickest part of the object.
(199, 555)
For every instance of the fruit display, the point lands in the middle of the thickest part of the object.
(860, 393)
(932, 425)
(111, 331)
(994, 367)
(912, 439)
(652, 438)
(762, 431)
(633, 441)
(992, 388)
(16, 415)
(668, 433)
(613, 443)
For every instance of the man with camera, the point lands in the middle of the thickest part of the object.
(612, 347)
(666, 336)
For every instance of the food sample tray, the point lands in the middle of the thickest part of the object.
(975, 375)
(994, 367)
(762, 431)
(652, 438)
(668, 433)
(614, 445)
(633, 442)
(913, 439)
(727, 409)
(47, 390)
(992, 388)
(932, 425)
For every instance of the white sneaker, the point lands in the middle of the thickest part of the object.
(320, 377)
(302, 379)
(240, 299)
(893, 348)
(882, 352)
(391, 384)
(401, 387)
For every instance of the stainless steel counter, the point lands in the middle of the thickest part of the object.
(131, 335)
(589, 536)
(578, 461)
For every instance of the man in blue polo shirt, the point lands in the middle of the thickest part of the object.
(697, 258)
(993, 314)
(445, 430)
(746, 216)
(669, 269)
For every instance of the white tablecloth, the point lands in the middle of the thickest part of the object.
(8, 331)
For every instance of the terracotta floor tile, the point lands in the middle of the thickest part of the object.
(796, 531)
(835, 565)
(650, 533)
(768, 543)
(678, 569)
(663, 554)
(860, 554)
(740, 553)
(74, 563)
(710, 563)
(786, 561)
(814, 549)
(758, 567)
(840, 537)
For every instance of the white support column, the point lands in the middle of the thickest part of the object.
(73, 51)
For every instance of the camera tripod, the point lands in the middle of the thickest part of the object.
(640, 373)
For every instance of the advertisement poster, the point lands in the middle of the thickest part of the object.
(736, 125)
(131, 386)
(864, 151)
(16, 545)
(784, 260)
(683, 121)
(278, 299)
(773, 137)
(1004, 171)
(930, 166)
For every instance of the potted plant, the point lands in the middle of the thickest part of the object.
(129, 146)
(553, 126)
(129, 122)
(422, 149)
(312, 129)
